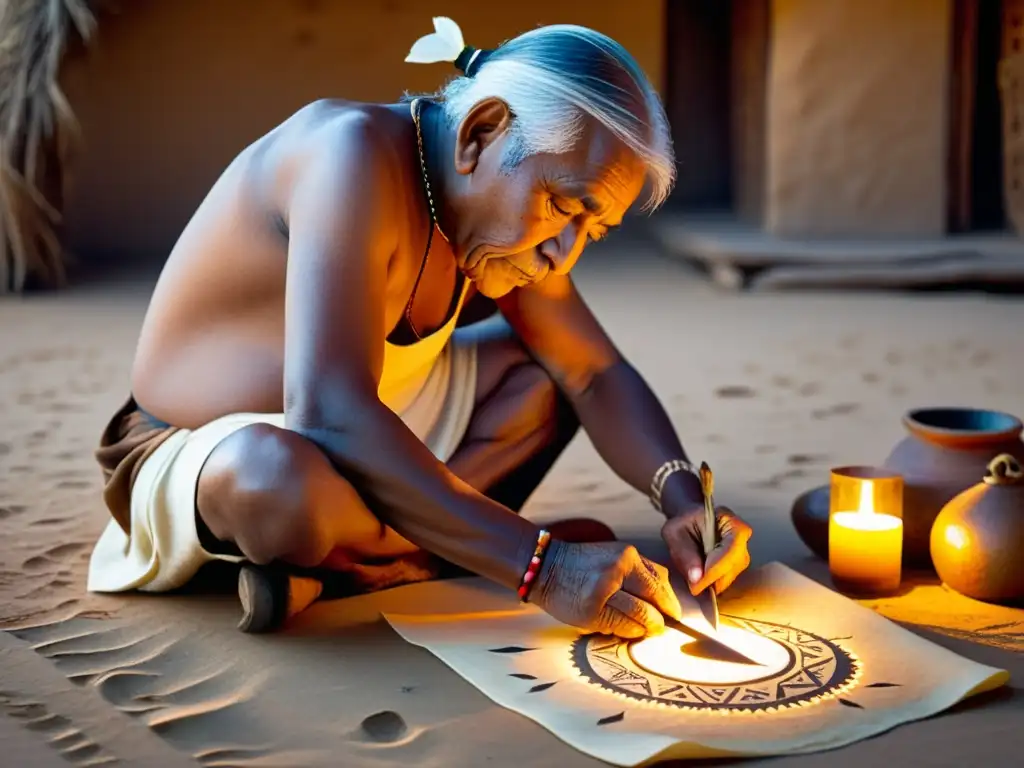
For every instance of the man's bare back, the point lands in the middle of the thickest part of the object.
(213, 339)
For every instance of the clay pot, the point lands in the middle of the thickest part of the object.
(945, 451)
(810, 518)
(977, 539)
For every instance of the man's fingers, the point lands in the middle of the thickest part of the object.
(649, 582)
(629, 616)
(726, 581)
(686, 554)
(613, 622)
(725, 562)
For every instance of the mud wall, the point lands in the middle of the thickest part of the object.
(171, 90)
(856, 117)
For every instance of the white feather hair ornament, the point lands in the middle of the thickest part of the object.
(445, 43)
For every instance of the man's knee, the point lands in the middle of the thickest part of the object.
(535, 404)
(256, 490)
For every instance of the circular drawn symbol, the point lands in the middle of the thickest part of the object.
(794, 667)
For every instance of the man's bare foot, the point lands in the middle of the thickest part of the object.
(271, 596)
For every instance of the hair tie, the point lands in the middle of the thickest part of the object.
(445, 43)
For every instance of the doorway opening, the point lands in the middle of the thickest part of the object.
(977, 157)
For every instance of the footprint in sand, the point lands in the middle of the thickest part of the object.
(43, 355)
(803, 459)
(618, 498)
(734, 392)
(61, 407)
(37, 564)
(981, 357)
(776, 481)
(153, 675)
(384, 727)
(809, 389)
(51, 588)
(75, 485)
(61, 734)
(841, 409)
(46, 522)
(61, 551)
(239, 755)
(50, 557)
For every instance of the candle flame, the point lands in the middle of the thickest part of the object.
(867, 499)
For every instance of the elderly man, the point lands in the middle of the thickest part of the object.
(301, 394)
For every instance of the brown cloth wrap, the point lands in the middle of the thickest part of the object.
(133, 435)
(128, 440)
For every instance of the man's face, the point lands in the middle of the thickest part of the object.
(517, 225)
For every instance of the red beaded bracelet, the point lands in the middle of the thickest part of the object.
(543, 539)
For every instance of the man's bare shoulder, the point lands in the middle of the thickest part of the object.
(330, 132)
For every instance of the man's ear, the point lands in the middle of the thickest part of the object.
(481, 127)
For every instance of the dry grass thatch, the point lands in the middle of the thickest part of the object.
(36, 128)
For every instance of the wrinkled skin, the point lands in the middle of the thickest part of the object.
(608, 588)
(512, 226)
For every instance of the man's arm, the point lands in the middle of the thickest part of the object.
(342, 226)
(621, 415)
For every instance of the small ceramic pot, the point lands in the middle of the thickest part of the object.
(945, 452)
(977, 542)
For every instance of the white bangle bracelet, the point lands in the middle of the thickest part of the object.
(666, 470)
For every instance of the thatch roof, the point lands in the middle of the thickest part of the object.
(36, 128)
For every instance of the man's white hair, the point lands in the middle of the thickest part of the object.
(552, 78)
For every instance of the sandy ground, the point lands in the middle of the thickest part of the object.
(770, 389)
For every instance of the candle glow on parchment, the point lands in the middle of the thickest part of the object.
(677, 656)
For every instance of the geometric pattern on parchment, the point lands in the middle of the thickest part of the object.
(818, 669)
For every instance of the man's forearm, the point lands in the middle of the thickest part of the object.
(633, 434)
(405, 486)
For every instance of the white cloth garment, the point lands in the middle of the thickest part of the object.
(163, 552)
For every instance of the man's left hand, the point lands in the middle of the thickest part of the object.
(683, 534)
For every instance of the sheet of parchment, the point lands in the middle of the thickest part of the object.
(852, 674)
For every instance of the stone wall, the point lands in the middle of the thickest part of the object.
(857, 118)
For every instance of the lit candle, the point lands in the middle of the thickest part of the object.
(865, 547)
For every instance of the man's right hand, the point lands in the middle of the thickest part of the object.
(606, 587)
